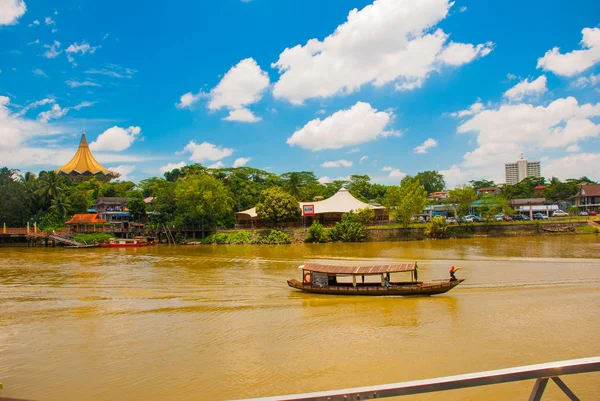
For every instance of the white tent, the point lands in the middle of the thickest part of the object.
(341, 202)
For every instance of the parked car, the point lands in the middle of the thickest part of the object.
(468, 218)
(540, 216)
(524, 217)
(592, 213)
(499, 217)
(478, 219)
(560, 213)
(583, 213)
(451, 220)
(507, 218)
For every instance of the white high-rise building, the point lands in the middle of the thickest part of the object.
(521, 169)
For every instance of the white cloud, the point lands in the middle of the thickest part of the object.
(35, 42)
(11, 11)
(463, 9)
(512, 129)
(188, 99)
(324, 180)
(116, 139)
(241, 161)
(54, 113)
(242, 115)
(353, 150)
(53, 50)
(337, 163)
(473, 109)
(359, 124)
(49, 21)
(171, 166)
(124, 171)
(14, 129)
(389, 41)
(526, 88)
(39, 72)
(573, 148)
(362, 159)
(511, 77)
(35, 22)
(33, 105)
(105, 36)
(113, 70)
(574, 166)
(428, 144)
(77, 84)
(584, 82)
(572, 63)
(387, 168)
(396, 173)
(82, 48)
(206, 152)
(218, 164)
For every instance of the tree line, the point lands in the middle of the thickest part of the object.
(195, 195)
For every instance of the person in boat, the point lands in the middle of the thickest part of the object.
(452, 276)
(416, 274)
(386, 280)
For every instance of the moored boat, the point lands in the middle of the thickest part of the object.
(126, 243)
(323, 279)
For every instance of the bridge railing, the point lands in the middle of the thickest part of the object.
(541, 373)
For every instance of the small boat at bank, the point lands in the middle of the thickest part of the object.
(126, 243)
(323, 279)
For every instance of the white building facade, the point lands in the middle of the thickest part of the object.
(521, 169)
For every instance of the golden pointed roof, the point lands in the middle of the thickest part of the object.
(84, 163)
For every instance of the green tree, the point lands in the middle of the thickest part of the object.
(412, 198)
(478, 184)
(201, 199)
(137, 207)
(50, 186)
(436, 227)
(317, 233)
(60, 206)
(350, 229)
(560, 191)
(462, 197)
(295, 182)
(491, 205)
(277, 206)
(432, 181)
(14, 210)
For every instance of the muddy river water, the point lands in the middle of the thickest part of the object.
(220, 322)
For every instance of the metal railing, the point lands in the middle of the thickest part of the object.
(542, 373)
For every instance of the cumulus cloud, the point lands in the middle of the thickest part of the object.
(241, 161)
(206, 152)
(511, 129)
(33, 105)
(577, 61)
(49, 21)
(124, 171)
(11, 11)
(54, 113)
(218, 164)
(187, 100)
(337, 163)
(14, 129)
(389, 41)
(113, 70)
(34, 23)
(359, 124)
(396, 173)
(82, 48)
(39, 72)
(242, 115)
(34, 42)
(473, 109)
(428, 144)
(171, 166)
(116, 139)
(573, 148)
(324, 180)
(575, 165)
(526, 88)
(53, 50)
(77, 84)
(387, 168)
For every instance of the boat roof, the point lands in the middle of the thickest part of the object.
(359, 270)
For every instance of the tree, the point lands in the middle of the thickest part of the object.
(50, 186)
(295, 182)
(277, 206)
(350, 229)
(432, 181)
(462, 196)
(412, 198)
(14, 210)
(491, 205)
(201, 199)
(478, 184)
(524, 189)
(60, 205)
(559, 191)
(137, 207)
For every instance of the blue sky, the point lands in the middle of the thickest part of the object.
(385, 88)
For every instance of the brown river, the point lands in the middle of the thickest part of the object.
(220, 322)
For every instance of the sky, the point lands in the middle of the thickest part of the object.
(386, 88)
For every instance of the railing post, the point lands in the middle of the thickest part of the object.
(565, 389)
(538, 389)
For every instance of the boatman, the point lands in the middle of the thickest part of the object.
(452, 276)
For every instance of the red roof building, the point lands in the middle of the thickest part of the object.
(86, 218)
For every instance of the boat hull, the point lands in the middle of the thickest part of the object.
(404, 289)
(123, 245)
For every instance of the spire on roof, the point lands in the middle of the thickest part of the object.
(84, 163)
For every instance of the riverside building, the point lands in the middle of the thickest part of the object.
(521, 169)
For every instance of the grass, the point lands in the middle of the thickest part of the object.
(587, 230)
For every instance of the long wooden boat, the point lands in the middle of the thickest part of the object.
(322, 279)
(126, 243)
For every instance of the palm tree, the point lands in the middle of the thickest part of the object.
(49, 186)
(60, 205)
(294, 185)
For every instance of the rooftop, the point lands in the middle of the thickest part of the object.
(84, 163)
(86, 218)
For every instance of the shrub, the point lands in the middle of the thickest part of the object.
(92, 237)
(436, 227)
(350, 229)
(242, 237)
(275, 237)
(317, 233)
